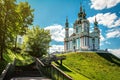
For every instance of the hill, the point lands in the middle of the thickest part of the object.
(94, 66)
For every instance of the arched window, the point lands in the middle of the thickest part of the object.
(93, 40)
(76, 29)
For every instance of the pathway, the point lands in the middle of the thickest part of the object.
(28, 73)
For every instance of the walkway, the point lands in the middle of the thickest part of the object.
(30, 78)
(28, 73)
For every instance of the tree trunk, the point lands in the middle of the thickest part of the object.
(3, 37)
(2, 47)
(15, 43)
(1, 56)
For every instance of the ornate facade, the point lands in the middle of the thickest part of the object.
(82, 39)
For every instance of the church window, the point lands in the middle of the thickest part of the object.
(74, 41)
(20, 40)
(93, 40)
(76, 29)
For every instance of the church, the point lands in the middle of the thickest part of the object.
(82, 39)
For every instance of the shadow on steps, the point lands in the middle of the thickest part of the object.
(27, 71)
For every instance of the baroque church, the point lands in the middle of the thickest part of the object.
(82, 39)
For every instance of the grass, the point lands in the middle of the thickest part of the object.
(91, 65)
(21, 59)
(71, 72)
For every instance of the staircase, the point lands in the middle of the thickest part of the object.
(27, 73)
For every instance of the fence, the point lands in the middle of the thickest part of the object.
(8, 71)
(52, 71)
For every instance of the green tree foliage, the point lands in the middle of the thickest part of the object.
(14, 18)
(25, 16)
(37, 41)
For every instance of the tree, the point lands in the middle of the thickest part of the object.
(37, 41)
(14, 19)
(25, 16)
(7, 8)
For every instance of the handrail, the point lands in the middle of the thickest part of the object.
(52, 71)
(4, 72)
(7, 72)
(40, 62)
(61, 71)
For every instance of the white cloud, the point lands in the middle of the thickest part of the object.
(109, 20)
(107, 42)
(102, 38)
(102, 4)
(113, 33)
(116, 52)
(54, 48)
(58, 32)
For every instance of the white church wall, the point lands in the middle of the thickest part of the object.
(96, 43)
(90, 43)
(76, 43)
(82, 27)
(79, 43)
(70, 45)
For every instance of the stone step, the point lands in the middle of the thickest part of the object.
(27, 74)
(30, 78)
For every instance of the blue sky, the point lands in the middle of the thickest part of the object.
(51, 14)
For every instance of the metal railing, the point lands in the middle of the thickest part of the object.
(52, 71)
(8, 71)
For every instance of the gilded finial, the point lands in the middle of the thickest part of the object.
(66, 18)
(81, 8)
(95, 19)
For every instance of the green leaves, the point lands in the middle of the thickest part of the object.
(37, 41)
(14, 20)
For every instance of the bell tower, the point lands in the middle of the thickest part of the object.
(66, 28)
(84, 37)
(96, 35)
(66, 42)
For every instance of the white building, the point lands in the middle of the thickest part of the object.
(82, 39)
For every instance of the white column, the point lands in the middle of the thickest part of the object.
(84, 41)
(80, 42)
(70, 45)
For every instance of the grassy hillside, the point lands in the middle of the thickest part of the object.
(91, 65)
(21, 59)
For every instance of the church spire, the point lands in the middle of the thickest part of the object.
(96, 29)
(66, 24)
(66, 28)
(81, 9)
(82, 14)
(96, 23)
(95, 19)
